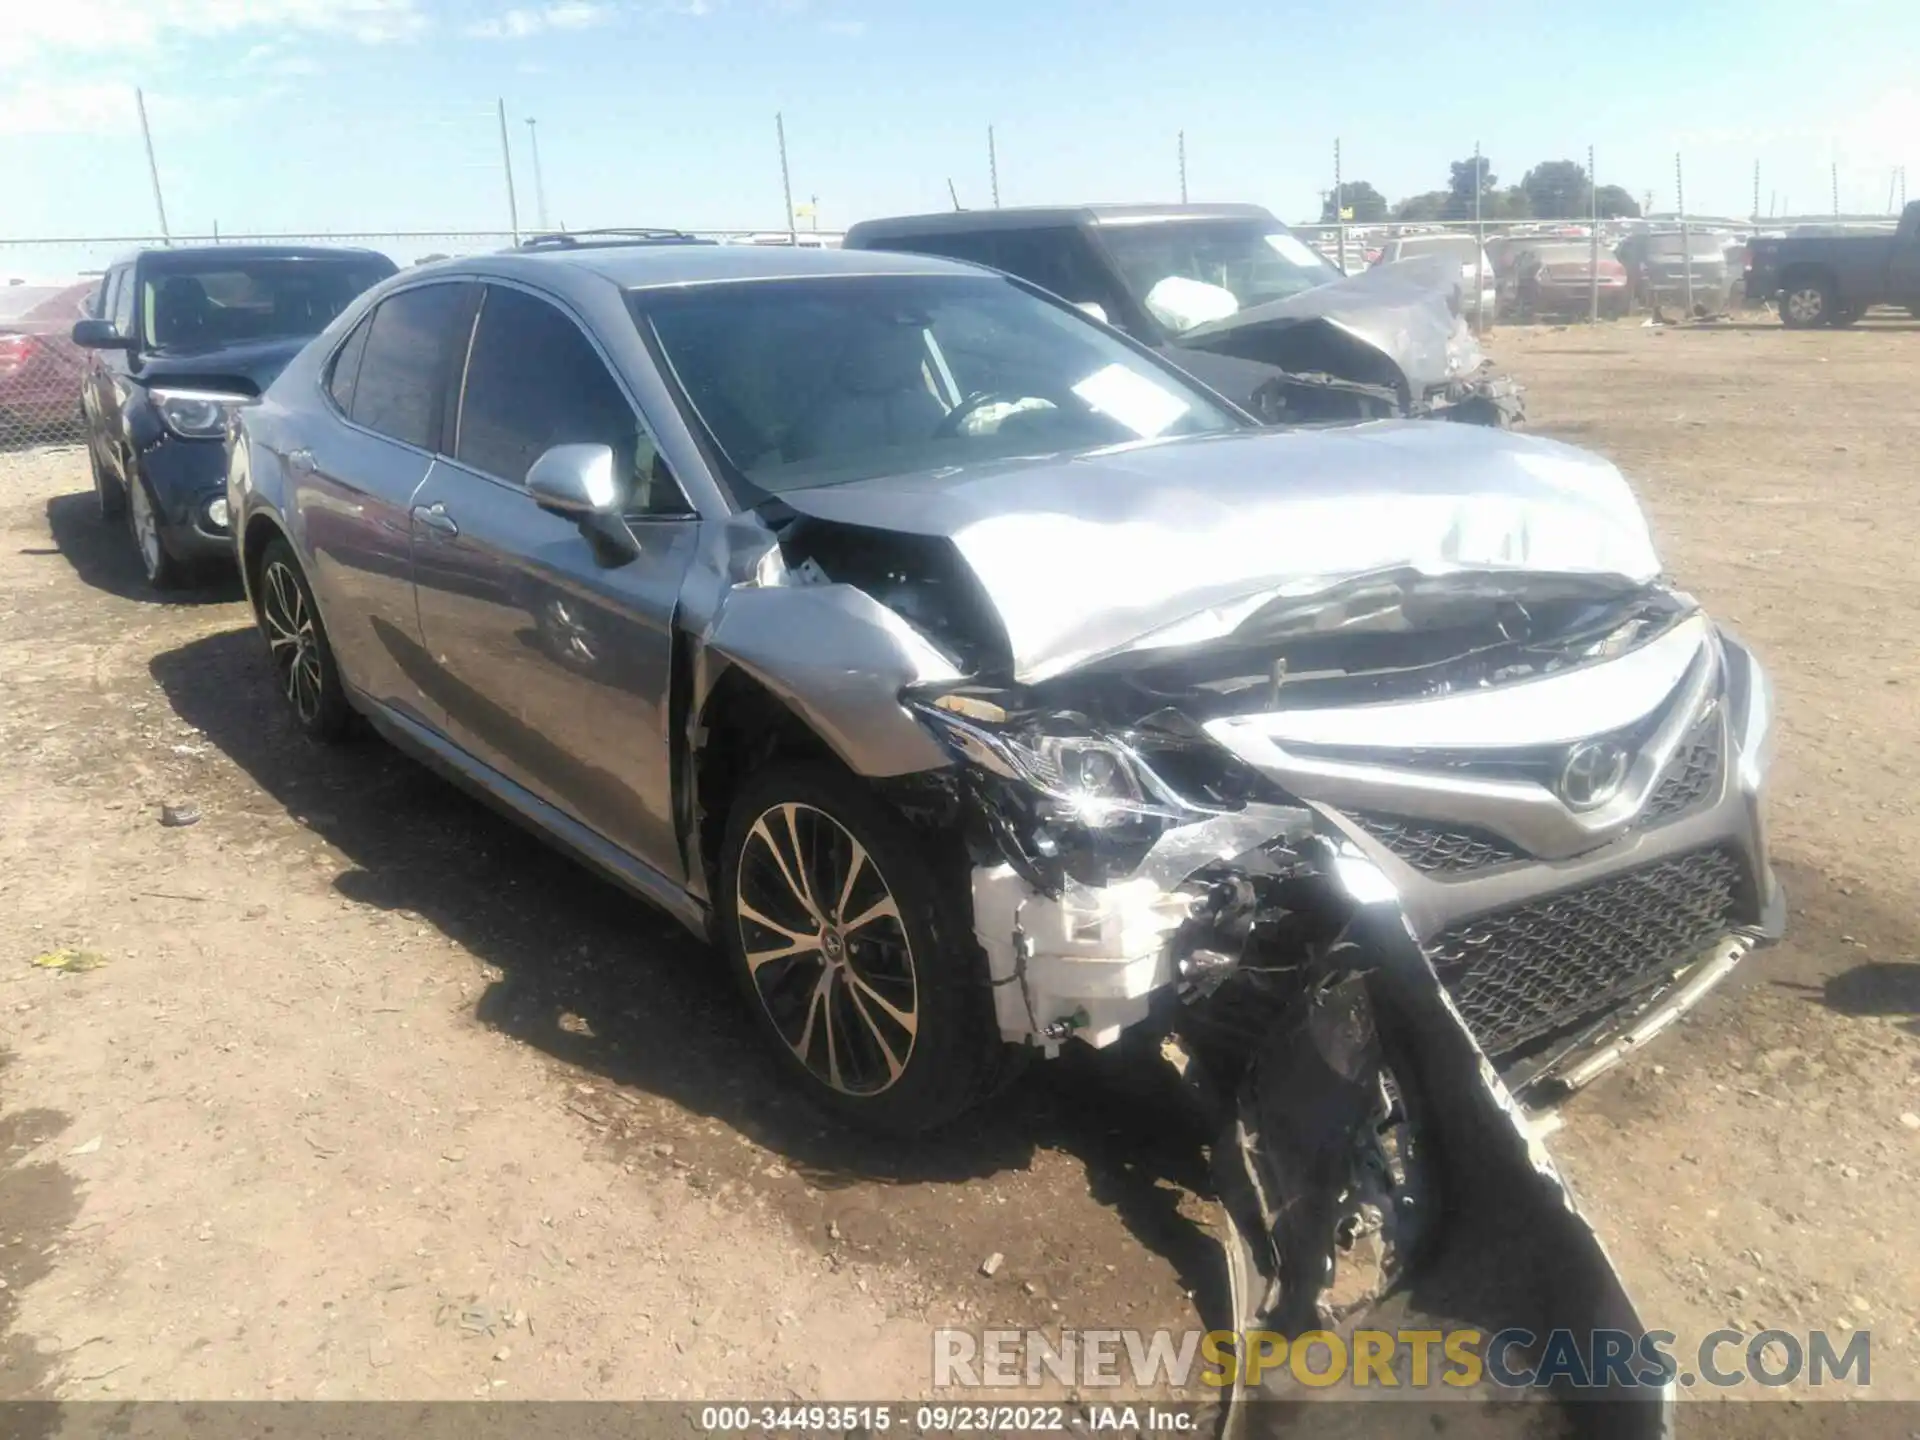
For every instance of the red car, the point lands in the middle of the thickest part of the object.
(40, 366)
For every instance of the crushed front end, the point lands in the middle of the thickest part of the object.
(1563, 792)
(1374, 870)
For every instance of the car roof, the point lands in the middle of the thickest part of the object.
(1028, 217)
(649, 266)
(188, 256)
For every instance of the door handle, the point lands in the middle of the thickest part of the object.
(435, 517)
(300, 462)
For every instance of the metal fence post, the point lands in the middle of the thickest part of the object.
(1593, 249)
(1480, 245)
(1686, 238)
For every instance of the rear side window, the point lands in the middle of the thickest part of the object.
(403, 365)
(346, 366)
(534, 381)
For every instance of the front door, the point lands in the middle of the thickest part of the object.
(552, 666)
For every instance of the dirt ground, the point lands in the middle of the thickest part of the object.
(373, 1096)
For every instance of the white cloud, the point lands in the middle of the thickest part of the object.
(851, 29)
(518, 24)
(37, 34)
(87, 108)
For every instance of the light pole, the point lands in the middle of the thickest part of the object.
(539, 184)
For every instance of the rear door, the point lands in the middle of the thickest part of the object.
(552, 658)
(384, 395)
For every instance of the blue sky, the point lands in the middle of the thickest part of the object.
(304, 115)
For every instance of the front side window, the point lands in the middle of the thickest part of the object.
(829, 380)
(120, 301)
(208, 303)
(1189, 272)
(403, 368)
(533, 382)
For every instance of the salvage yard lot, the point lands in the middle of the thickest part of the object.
(374, 1096)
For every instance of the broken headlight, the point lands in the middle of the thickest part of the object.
(1061, 796)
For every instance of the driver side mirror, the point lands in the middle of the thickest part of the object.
(91, 334)
(577, 483)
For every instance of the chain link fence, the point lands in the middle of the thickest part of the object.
(46, 285)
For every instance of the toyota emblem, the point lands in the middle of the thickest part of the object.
(1593, 774)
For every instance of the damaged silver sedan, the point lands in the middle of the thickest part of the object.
(980, 683)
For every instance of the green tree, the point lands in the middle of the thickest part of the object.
(1615, 203)
(1460, 186)
(1368, 205)
(1556, 189)
(1418, 209)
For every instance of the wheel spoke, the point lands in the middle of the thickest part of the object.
(833, 1041)
(798, 941)
(881, 909)
(854, 868)
(895, 1064)
(905, 1019)
(796, 886)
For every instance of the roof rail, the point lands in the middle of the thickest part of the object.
(576, 239)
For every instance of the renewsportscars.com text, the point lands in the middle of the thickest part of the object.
(1398, 1359)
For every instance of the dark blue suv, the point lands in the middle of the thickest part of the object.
(179, 338)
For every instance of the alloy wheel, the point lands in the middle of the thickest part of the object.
(826, 949)
(146, 527)
(292, 640)
(1806, 304)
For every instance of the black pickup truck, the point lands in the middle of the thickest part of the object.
(1832, 279)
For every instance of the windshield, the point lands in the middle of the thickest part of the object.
(828, 380)
(1188, 272)
(228, 302)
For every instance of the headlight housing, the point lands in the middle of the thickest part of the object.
(196, 414)
(1062, 797)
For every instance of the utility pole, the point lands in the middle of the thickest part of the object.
(1339, 207)
(1593, 245)
(1836, 189)
(1686, 240)
(153, 170)
(993, 168)
(539, 181)
(813, 211)
(1480, 245)
(786, 184)
(1756, 190)
(506, 161)
(1183, 167)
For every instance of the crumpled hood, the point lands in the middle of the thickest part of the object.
(1409, 311)
(1179, 542)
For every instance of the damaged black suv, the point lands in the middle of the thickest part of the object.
(1232, 296)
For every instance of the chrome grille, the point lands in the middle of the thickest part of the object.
(1437, 848)
(1524, 972)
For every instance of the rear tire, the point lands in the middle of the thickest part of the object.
(1806, 303)
(860, 967)
(297, 647)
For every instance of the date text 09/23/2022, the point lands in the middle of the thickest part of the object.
(958, 1418)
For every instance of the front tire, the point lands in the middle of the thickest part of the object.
(162, 569)
(859, 967)
(297, 646)
(107, 493)
(1807, 303)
